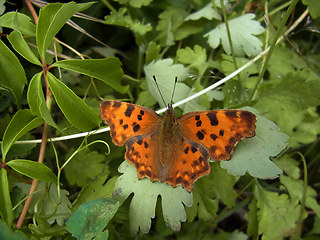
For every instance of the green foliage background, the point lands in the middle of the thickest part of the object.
(54, 74)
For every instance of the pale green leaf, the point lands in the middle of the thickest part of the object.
(135, 3)
(289, 165)
(196, 58)
(243, 30)
(252, 155)
(143, 203)
(207, 12)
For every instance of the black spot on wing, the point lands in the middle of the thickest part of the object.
(199, 123)
(121, 121)
(213, 136)
(129, 110)
(197, 118)
(213, 118)
(141, 112)
(136, 127)
(125, 126)
(231, 113)
(186, 150)
(194, 149)
(221, 133)
(116, 104)
(140, 141)
(228, 149)
(146, 145)
(139, 117)
(200, 135)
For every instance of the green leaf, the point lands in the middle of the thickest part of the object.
(87, 164)
(48, 205)
(19, 22)
(295, 190)
(107, 70)
(253, 223)
(242, 31)
(19, 44)
(276, 213)
(51, 19)
(91, 218)
(37, 101)
(135, 3)
(143, 203)
(170, 21)
(12, 75)
(196, 58)
(33, 170)
(313, 7)
(252, 155)
(5, 200)
(119, 18)
(2, 7)
(286, 101)
(6, 233)
(207, 12)
(166, 81)
(74, 108)
(153, 52)
(21, 123)
(97, 188)
(289, 165)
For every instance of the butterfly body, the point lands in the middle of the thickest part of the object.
(175, 150)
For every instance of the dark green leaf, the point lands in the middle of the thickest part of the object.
(91, 218)
(12, 75)
(37, 102)
(21, 123)
(19, 44)
(33, 170)
(107, 70)
(5, 200)
(74, 108)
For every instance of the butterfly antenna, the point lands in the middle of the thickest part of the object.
(174, 88)
(155, 80)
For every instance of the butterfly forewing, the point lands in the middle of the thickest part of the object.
(218, 131)
(128, 120)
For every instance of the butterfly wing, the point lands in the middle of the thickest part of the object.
(191, 162)
(218, 131)
(127, 120)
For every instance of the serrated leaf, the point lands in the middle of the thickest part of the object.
(21, 123)
(243, 30)
(37, 101)
(295, 190)
(195, 58)
(19, 22)
(252, 155)
(169, 21)
(91, 218)
(19, 44)
(143, 203)
(51, 19)
(33, 170)
(5, 200)
(107, 70)
(153, 52)
(276, 213)
(49, 205)
(6, 233)
(285, 102)
(313, 7)
(74, 108)
(86, 164)
(135, 3)
(12, 75)
(119, 18)
(165, 72)
(207, 12)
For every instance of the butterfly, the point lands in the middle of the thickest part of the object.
(175, 150)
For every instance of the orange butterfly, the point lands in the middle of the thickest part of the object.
(175, 150)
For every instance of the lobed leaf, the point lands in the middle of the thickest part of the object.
(252, 155)
(143, 203)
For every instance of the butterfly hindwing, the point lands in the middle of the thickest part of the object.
(218, 131)
(190, 163)
(127, 120)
